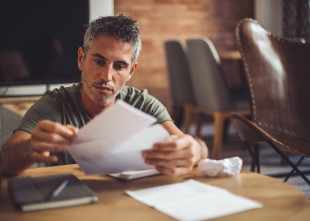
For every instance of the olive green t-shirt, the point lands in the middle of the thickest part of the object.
(64, 105)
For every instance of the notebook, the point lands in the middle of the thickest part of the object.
(48, 192)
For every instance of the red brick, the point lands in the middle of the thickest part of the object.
(162, 20)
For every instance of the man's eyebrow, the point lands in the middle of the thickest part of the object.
(123, 62)
(99, 56)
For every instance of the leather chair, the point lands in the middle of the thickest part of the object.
(278, 74)
(180, 84)
(212, 94)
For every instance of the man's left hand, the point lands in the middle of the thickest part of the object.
(175, 157)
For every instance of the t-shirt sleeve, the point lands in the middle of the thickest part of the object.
(44, 109)
(141, 100)
(155, 108)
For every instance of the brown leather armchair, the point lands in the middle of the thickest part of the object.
(278, 75)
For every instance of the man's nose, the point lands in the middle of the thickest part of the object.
(106, 73)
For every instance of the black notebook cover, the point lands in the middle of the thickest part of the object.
(36, 193)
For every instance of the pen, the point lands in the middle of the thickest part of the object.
(58, 189)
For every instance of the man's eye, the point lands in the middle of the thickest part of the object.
(100, 62)
(119, 66)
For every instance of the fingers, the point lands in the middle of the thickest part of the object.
(49, 137)
(73, 129)
(45, 146)
(174, 157)
(53, 132)
(43, 158)
(181, 147)
(176, 143)
(181, 157)
(173, 171)
(171, 162)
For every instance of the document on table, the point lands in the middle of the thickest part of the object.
(113, 141)
(131, 175)
(193, 200)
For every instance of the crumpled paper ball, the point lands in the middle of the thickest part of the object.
(226, 167)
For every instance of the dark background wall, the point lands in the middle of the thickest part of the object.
(43, 31)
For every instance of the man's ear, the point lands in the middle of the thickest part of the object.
(80, 58)
(134, 66)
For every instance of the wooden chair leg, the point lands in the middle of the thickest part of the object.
(219, 120)
(187, 117)
(198, 124)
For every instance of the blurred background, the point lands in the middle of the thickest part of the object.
(41, 38)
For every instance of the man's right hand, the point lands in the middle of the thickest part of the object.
(24, 149)
(49, 137)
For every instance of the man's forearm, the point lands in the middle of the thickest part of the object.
(15, 158)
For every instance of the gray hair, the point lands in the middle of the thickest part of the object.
(120, 27)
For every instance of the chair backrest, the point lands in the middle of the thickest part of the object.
(178, 71)
(209, 83)
(278, 73)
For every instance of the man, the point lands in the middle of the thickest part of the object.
(107, 61)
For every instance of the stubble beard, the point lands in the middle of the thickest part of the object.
(99, 99)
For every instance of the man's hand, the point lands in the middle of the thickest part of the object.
(175, 157)
(24, 149)
(49, 137)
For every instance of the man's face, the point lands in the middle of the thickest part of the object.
(106, 68)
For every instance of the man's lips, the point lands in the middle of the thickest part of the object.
(103, 88)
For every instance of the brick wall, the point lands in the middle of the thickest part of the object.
(162, 20)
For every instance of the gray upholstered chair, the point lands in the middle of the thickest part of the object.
(180, 83)
(278, 72)
(212, 94)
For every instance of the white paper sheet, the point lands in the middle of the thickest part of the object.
(192, 200)
(112, 142)
(119, 120)
(131, 175)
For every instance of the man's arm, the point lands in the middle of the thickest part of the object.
(15, 155)
(23, 149)
(177, 156)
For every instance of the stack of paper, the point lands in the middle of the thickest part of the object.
(192, 200)
(112, 142)
(131, 175)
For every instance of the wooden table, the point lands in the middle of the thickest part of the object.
(281, 201)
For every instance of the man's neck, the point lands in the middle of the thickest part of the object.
(91, 107)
